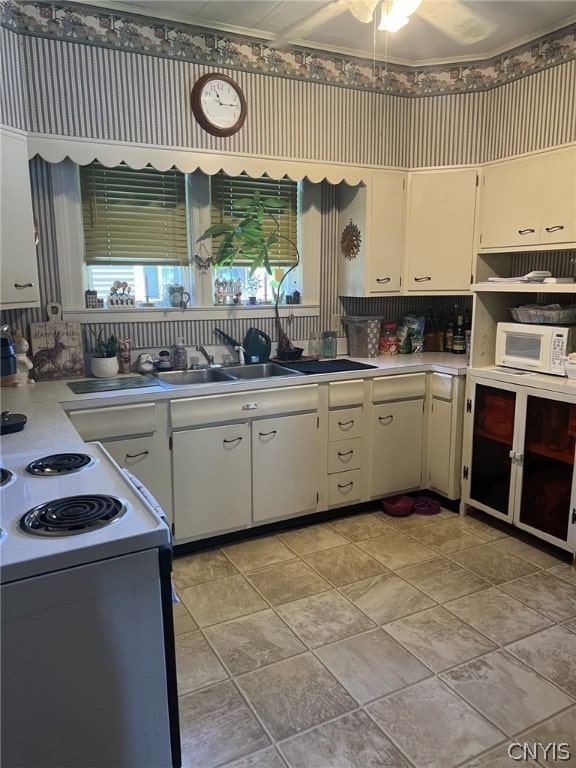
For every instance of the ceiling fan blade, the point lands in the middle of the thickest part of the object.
(460, 23)
(363, 10)
(310, 23)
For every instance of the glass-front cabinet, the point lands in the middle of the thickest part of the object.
(519, 458)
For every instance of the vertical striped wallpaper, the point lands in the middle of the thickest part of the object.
(79, 90)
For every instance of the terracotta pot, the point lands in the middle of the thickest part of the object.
(103, 367)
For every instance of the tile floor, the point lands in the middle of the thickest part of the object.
(372, 641)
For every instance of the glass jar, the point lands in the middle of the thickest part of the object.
(389, 339)
(314, 345)
(329, 344)
(180, 355)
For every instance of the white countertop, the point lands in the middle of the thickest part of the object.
(45, 403)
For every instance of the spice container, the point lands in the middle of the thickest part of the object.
(389, 339)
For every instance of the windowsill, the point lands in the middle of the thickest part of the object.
(151, 315)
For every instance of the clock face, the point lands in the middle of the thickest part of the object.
(218, 104)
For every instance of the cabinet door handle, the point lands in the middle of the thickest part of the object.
(345, 485)
(386, 419)
(528, 231)
(382, 279)
(137, 455)
(422, 279)
(23, 285)
(344, 424)
(250, 407)
(555, 228)
(233, 440)
(267, 434)
(341, 454)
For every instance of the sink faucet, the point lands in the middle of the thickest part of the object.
(209, 358)
(241, 354)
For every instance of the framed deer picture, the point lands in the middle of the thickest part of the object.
(57, 351)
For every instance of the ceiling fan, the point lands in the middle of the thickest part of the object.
(451, 17)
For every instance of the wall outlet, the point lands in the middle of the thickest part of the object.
(336, 324)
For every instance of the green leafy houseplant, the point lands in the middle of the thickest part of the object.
(105, 347)
(251, 238)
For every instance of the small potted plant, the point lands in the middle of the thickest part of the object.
(253, 286)
(104, 360)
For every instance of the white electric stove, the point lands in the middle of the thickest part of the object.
(86, 630)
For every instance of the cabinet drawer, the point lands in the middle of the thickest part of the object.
(344, 424)
(218, 409)
(343, 393)
(441, 386)
(403, 387)
(118, 421)
(344, 455)
(345, 487)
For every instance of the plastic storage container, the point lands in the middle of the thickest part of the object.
(363, 335)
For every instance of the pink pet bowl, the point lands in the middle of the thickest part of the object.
(398, 506)
(424, 505)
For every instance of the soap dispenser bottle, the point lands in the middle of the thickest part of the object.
(180, 355)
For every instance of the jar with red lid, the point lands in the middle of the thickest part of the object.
(389, 339)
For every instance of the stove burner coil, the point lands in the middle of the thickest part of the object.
(59, 464)
(5, 476)
(72, 515)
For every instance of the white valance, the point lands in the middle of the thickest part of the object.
(54, 149)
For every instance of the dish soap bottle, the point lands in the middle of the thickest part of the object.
(180, 355)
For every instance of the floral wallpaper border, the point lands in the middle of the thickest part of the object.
(132, 32)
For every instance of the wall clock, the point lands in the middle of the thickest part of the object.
(218, 104)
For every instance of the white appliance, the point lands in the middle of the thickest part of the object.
(539, 348)
(87, 638)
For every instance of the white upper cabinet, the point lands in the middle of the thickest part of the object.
(440, 230)
(377, 209)
(19, 286)
(529, 202)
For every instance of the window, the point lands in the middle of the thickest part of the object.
(141, 228)
(135, 233)
(260, 286)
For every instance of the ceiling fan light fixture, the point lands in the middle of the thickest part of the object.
(394, 18)
(392, 23)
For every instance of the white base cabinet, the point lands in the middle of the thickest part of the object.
(445, 399)
(519, 457)
(397, 428)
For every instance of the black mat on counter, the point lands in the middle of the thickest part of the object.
(325, 366)
(109, 385)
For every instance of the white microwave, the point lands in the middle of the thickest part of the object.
(539, 348)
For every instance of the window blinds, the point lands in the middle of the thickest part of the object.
(226, 190)
(134, 216)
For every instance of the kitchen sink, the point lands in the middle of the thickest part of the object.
(260, 371)
(193, 376)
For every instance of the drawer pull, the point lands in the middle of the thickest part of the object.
(346, 424)
(528, 231)
(555, 228)
(267, 434)
(345, 485)
(382, 279)
(250, 407)
(422, 279)
(341, 454)
(386, 419)
(23, 285)
(233, 440)
(137, 455)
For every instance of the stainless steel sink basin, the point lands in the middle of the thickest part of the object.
(260, 371)
(193, 376)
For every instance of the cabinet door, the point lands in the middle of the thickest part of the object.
(439, 446)
(492, 456)
(511, 202)
(396, 447)
(546, 471)
(440, 242)
(19, 286)
(559, 204)
(377, 208)
(284, 466)
(148, 458)
(211, 477)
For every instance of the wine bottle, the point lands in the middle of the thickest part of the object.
(459, 339)
(449, 335)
